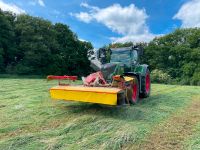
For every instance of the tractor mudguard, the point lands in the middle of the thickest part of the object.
(141, 69)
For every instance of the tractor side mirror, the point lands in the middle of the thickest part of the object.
(91, 54)
(140, 50)
(101, 55)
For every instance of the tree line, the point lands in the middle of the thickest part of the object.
(173, 58)
(34, 46)
(177, 54)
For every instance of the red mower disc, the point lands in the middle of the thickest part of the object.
(135, 93)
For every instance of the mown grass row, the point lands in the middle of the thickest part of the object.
(30, 120)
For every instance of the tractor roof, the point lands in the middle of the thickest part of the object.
(121, 49)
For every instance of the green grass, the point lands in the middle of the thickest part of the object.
(29, 119)
(193, 143)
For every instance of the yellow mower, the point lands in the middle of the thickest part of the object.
(121, 81)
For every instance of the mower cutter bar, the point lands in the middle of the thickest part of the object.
(51, 77)
(100, 95)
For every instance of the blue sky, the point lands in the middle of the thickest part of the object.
(102, 21)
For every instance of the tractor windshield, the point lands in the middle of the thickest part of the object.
(122, 56)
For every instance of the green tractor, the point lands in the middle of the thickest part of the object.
(120, 81)
(125, 62)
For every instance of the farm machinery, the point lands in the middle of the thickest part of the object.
(121, 81)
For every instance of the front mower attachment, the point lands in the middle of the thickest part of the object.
(100, 95)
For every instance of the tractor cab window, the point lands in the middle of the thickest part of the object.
(134, 56)
(121, 56)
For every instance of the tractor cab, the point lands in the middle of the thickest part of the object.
(128, 56)
(116, 61)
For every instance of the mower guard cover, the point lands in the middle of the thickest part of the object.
(100, 95)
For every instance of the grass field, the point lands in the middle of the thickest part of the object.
(169, 119)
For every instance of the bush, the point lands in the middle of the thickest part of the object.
(158, 76)
(20, 69)
(185, 81)
(10, 69)
(195, 79)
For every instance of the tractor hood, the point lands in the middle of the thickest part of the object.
(108, 69)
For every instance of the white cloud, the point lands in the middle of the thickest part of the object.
(83, 16)
(89, 6)
(189, 14)
(134, 38)
(129, 21)
(83, 40)
(84, 5)
(35, 2)
(41, 3)
(11, 7)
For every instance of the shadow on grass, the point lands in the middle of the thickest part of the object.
(128, 112)
(15, 76)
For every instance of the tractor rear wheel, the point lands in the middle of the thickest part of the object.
(146, 85)
(132, 94)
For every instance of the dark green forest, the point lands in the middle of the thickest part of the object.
(177, 55)
(173, 58)
(34, 46)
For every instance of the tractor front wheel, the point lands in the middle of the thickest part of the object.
(132, 94)
(146, 85)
